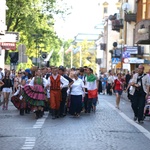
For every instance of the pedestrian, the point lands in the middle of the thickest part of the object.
(34, 93)
(127, 79)
(6, 90)
(77, 93)
(62, 111)
(140, 92)
(1, 78)
(56, 83)
(92, 87)
(26, 78)
(1, 84)
(109, 83)
(104, 82)
(118, 87)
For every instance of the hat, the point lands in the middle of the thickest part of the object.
(28, 71)
(62, 68)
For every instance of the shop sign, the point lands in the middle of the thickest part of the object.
(136, 61)
(8, 45)
(131, 49)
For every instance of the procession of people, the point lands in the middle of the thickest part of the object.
(64, 91)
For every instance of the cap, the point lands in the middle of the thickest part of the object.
(28, 71)
(62, 68)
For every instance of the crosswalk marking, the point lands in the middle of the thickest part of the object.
(29, 143)
(39, 123)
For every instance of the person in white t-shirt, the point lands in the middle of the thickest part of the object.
(77, 93)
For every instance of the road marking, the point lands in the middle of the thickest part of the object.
(29, 143)
(39, 123)
(139, 127)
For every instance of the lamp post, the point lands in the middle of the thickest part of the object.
(37, 38)
(121, 42)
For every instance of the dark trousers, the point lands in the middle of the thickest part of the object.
(138, 104)
(86, 102)
(90, 104)
(109, 89)
(62, 103)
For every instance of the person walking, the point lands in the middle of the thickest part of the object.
(110, 81)
(56, 83)
(118, 87)
(62, 111)
(140, 91)
(34, 93)
(6, 90)
(77, 93)
(92, 87)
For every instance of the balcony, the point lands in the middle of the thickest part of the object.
(117, 24)
(130, 17)
(142, 32)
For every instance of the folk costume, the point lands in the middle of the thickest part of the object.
(91, 84)
(56, 82)
(18, 101)
(34, 93)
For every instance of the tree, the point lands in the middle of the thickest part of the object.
(34, 17)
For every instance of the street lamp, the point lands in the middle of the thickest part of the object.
(121, 42)
(37, 40)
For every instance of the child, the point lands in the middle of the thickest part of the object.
(147, 106)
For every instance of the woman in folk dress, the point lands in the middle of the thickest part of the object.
(34, 93)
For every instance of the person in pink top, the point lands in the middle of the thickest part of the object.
(118, 87)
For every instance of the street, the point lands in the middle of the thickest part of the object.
(107, 129)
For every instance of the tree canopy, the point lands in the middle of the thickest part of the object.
(34, 20)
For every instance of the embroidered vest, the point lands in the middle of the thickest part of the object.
(55, 84)
(38, 80)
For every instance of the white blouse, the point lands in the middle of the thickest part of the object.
(77, 87)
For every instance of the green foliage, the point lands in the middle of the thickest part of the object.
(34, 20)
(86, 53)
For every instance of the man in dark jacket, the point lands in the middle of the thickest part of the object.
(62, 70)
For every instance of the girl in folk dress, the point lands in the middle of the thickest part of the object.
(34, 93)
(18, 100)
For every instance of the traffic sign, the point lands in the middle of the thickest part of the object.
(115, 60)
(126, 54)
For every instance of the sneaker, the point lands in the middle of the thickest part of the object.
(140, 121)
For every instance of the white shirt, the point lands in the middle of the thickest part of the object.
(77, 87)
(64, 81)
(45, 83)
(110, 79)
(1, 75)
(145, 83)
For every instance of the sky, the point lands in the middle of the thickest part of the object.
(84, 16)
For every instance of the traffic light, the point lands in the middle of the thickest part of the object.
(13, 57)
(44, 55)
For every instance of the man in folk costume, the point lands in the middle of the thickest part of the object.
(56, 82)
(92, 88)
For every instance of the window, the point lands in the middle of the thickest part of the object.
(105, 7)
(105, 10)
(143, 11)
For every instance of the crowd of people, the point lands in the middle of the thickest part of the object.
(135, 84)
(64, 91)
(59, 90)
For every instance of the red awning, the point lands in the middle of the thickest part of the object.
(8, 45)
